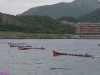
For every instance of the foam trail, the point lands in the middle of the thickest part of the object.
(96, 56)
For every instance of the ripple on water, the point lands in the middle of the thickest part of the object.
(59, 69)
(39, 63)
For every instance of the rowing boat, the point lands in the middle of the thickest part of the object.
(55, 53)
(24, 48)
(17, 45)
(29, 48)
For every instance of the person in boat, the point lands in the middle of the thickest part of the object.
(34, 47)
(98, 44)
(87, 55)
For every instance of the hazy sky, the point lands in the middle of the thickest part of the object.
(15, 7)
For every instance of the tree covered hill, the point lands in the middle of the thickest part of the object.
(75, 9)
(90, 17)
(8, 19)
(33, 24)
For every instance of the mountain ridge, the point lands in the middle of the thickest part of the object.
(76, 9)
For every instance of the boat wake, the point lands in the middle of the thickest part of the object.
(96, 56)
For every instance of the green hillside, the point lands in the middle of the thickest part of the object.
(76, 9)
(90, 17)
(33, 24)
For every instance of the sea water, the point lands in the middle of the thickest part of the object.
(42, 62)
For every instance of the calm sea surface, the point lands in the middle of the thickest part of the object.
(42, 62)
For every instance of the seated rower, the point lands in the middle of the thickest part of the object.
(86, 54)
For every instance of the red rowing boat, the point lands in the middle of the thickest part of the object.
(55, 53)
(24, 48)
(29, 48)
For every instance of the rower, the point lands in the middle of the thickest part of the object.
(86, 54)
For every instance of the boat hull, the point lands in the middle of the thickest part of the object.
(29, 48)
(11, 45)
(55, 53)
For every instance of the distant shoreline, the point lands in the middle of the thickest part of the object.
(50, 37)
(33, 38)
(21, 35)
